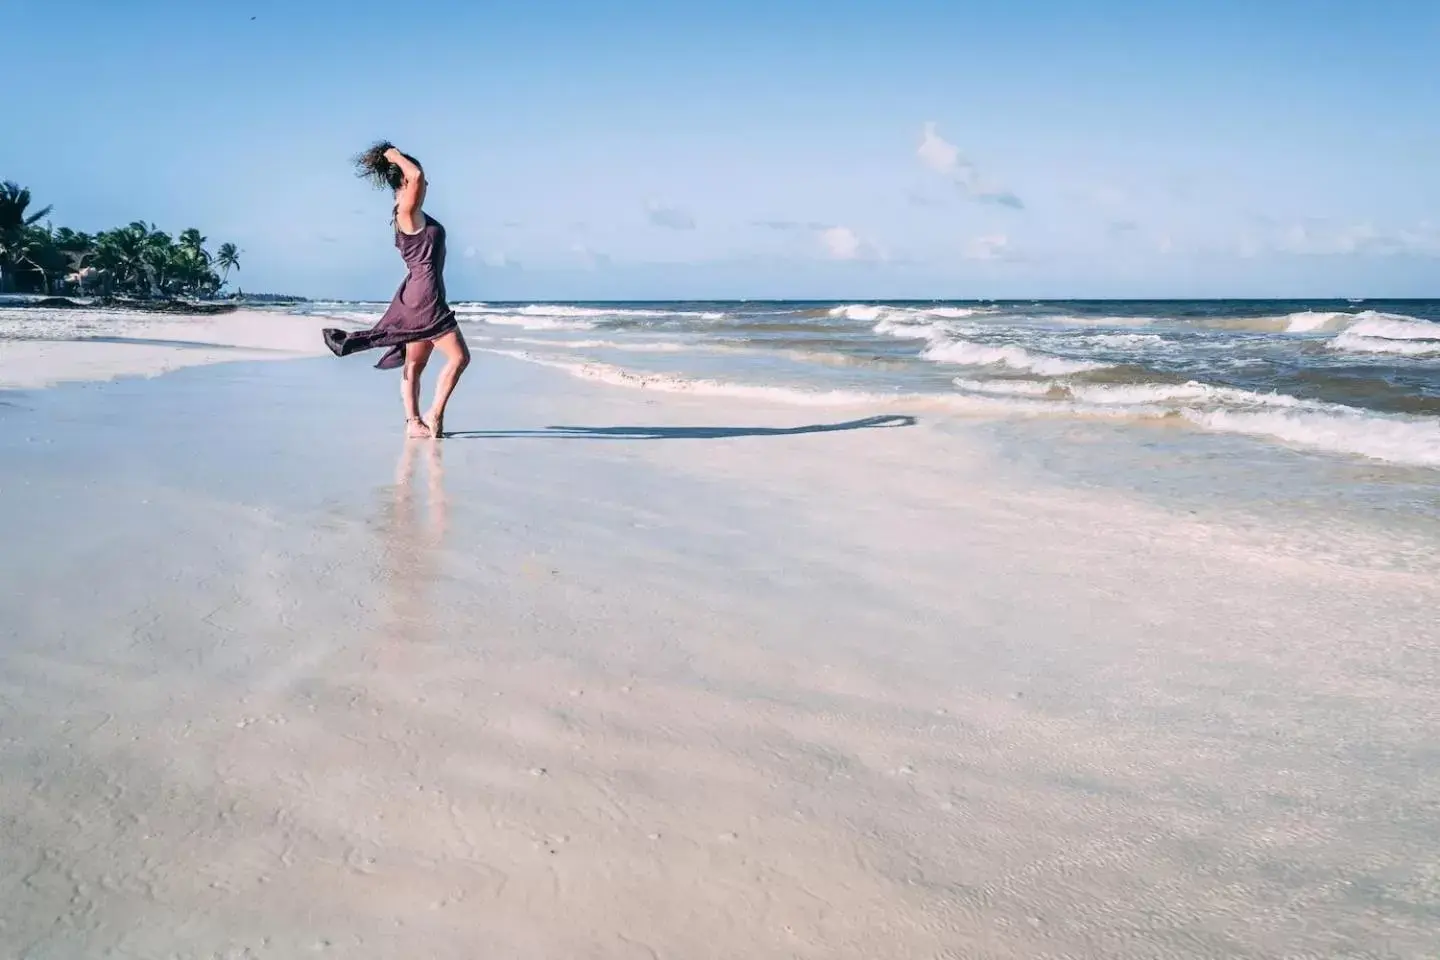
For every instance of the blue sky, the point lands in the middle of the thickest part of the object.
(784, 148)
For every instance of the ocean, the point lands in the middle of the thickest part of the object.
(1354, 379)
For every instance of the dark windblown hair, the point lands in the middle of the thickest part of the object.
(382, 174)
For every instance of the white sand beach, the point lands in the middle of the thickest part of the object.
(619, 674)
(58, 346)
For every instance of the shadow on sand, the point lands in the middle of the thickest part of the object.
(678, 433)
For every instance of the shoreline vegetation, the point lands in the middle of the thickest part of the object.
(138, 262)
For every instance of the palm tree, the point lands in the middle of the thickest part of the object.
(14, 223)
(39, 252)
(197, 277)
(120, 253)
(193, 245)
(13, 201)
(227, 259)
(74, 241)
(77, 247)
(137, 260)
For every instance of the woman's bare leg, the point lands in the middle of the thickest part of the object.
(457, 358)
(417, 354)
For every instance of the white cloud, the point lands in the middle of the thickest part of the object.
(471, 253)
(672, 218)
(945, 158)
(992, 247)
(940, 155)
(842, 243)
(836, 241)
(496, 260)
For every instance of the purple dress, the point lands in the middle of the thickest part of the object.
(419, 310)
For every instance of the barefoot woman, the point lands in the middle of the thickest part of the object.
(419, 321)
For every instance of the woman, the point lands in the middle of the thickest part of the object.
(418, 321)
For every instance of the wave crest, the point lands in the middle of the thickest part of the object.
(965, 353)
(1336, 430)
(1389, 333)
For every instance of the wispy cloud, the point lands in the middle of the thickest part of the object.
(789, 225)
(943, 157)
(1119, 229)
(495, 259)
(671, 218)
(995, 246)
(841, 243)
(1326, 238)
(591, 259)
(836, 241)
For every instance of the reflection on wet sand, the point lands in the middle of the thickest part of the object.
(411, 545)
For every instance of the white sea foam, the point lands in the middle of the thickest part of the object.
(1171, 396)
(1321, 426)
(548, 316)
(672, 383)
(1122, 339)
(1326, 427)
(1393, 326)
(953, 313)
(1016, 358)
(911, 328)
(1389, 333)
(1310, 321)
(794, 396)
(1012, 388)
(1080, 320)
(634, 346)
(1393, 439)
(863, 312)
(869, 313)
(1304, 321)
(532, 322)
(584, 313)
(1351, 343)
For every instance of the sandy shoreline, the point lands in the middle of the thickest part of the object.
(678, 680)
(128, 344)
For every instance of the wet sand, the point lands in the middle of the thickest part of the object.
(683, 678)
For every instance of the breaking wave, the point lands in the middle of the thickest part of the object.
(1389, 333)
(970, 354)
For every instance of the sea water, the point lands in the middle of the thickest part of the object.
(1315, 403)
(1354, 379)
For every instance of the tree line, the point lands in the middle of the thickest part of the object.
(137, 260)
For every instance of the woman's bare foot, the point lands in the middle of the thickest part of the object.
(415, 429)
(437, 423)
